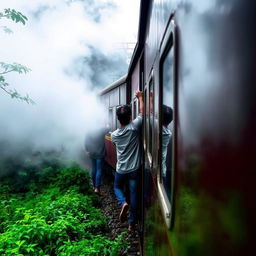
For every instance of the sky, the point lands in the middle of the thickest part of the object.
(74, 48)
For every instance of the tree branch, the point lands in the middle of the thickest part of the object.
(5, 72)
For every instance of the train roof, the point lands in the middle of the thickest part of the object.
(144, 12)
(121, 80)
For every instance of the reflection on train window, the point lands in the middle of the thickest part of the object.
(167, 123)
(146, 121)
(151, 117)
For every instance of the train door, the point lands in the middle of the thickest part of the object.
(148, 144)
(167, 124)
(141, 188)
(137, 84)
(149, 120)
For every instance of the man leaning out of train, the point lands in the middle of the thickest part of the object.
(128, 149)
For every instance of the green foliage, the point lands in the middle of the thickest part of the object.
(13, 15)
(60, 217)
(30, 173)
(5, 68)
(73, 176)
(15, 67)
(98, 246)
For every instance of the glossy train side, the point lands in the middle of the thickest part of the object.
(195, 60)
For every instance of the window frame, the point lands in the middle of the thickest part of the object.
(150, 153)
(114, 121)
(135, 108)
(169, 43)
(145, 118)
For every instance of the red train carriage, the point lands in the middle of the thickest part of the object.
(195, 62)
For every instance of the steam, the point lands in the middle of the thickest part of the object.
(208, 31)
(70, 46)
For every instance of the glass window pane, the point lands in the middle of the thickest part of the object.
(110, 118)
(146, 121)
(151, 115)
(167, 123)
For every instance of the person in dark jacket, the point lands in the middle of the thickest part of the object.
(95, 149)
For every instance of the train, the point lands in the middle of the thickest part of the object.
(195, 60)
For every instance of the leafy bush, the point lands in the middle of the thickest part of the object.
(56, 216)
(98, 246)
(73, 176)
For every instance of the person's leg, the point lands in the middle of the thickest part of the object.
(99, 163)
(118, 188)
(93, 173)
(132, 219)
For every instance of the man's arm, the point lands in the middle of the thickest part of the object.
(139, 95)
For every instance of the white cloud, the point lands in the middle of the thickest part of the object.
(56, 34)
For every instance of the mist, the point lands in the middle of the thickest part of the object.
(70, 47)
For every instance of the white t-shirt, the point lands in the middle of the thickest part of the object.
(127, 141)
(166, 137)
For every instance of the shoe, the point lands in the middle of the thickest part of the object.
(130, 228)
(123, 213)
(97, 191)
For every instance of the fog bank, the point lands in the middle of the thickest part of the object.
(70, 47)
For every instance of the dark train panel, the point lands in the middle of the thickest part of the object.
(195, 62)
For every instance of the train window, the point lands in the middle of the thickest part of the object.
(151, 118)
(167, 122)
(122, 94)
(115, 120)
(110, 119)
(146, 121)
(114, 97)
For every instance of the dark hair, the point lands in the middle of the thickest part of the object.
(124, 114)
(167, 115)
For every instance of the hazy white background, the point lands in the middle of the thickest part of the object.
(66, 44)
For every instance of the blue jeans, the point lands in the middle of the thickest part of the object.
(97, 164)
(120, 180)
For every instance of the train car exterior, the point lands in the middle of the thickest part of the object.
(195, 62)
(113, 96)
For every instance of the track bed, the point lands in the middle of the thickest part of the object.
(111, 210)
